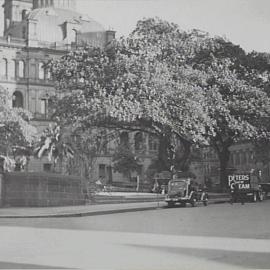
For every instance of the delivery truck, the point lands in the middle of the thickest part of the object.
(248, 185)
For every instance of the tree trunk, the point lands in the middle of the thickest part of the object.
(182, 159)
(171, 158)
(164, 160)
(224, 157)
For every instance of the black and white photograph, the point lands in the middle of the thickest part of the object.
(135, 134)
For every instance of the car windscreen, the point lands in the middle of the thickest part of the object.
(178, 185)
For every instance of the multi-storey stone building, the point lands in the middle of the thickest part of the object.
(36, 31)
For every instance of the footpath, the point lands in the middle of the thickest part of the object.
(103, 203)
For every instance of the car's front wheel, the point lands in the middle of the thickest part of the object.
(183, 204)
(170, 204)
(193, 202)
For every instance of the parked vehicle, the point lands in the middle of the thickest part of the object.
(184, 191)
(266, 188)
(247, 185)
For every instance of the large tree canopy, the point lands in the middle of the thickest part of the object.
(237, 97)
(134, 84)
(178, 85)
(16, 134)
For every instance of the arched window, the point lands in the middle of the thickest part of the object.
(41, 71)
(138, 140)
(17, 100)
(24, 13)
(4, 68)
(21, 69)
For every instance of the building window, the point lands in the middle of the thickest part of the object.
(138, 139)
(244, 158)
(124, 138)
(21, 70)
(41, 71)
(251, 158)
(110, 174)
(4, 68)
(44, 107)
(24, 14)
(32, 72)
(17, 100)
(237, 158)
(153, 143)
(24, 32)
(102, 171)
(12, 69)
(48, 74)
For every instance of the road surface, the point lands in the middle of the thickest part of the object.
(214, 237)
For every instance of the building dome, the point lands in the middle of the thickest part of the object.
(55, 17)
(53, 23)
(62, 4)
(64, 26)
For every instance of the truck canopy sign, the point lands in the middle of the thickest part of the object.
(242, 180)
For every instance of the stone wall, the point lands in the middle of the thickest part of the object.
(40, 189)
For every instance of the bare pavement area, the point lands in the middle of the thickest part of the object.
(219, 236)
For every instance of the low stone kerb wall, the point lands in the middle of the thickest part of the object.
(41, 189)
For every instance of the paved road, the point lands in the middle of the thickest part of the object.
(212, 237)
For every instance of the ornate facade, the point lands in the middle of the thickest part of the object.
(36, 31)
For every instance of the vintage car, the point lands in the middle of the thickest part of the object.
(184, 191)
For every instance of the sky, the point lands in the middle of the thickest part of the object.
(244, 22)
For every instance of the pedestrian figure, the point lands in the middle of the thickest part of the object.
(236, 194)
(241, 197)
(99, 184)
(233, 192)
(155, 187)
(138, 183)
